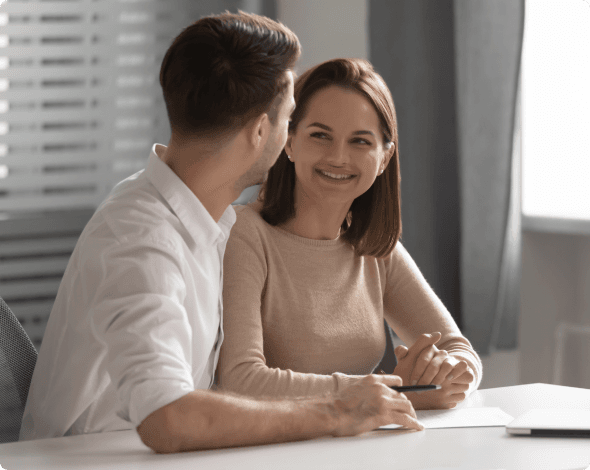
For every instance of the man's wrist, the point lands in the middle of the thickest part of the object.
(325, 415)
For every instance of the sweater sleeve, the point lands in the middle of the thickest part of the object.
(242, 364)
(411, 308)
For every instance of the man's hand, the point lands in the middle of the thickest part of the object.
(425, 364)
(369, 403)
(203, 419)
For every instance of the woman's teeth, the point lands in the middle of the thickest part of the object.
(338, 177)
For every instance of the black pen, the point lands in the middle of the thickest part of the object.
(411, 388)
(414, 388)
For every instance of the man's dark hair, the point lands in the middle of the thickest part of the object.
(224, 70)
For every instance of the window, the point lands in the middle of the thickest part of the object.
(556, 109)
(80, 107)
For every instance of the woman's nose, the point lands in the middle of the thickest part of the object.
(338, 153)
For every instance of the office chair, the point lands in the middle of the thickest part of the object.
(389, 361)
(17, 362)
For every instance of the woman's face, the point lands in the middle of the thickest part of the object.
(340, 135)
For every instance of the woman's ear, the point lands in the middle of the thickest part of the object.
(388, 155)
(390, 149)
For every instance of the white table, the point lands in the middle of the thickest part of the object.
(460, 448)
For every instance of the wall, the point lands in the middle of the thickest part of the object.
(555, 294)
(327, 29)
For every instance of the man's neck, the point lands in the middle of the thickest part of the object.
(204, 175)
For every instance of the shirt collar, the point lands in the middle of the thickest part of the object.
(186, 205)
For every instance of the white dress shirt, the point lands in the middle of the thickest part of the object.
(137, 319)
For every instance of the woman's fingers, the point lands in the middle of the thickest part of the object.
(457, 388)
(443, 372)
(400, 352)
(465, 378)
(422, 363)
(456, 397)
(422, 347)
(460, 368)
(438, 369)
(446, 398)
(423, 342)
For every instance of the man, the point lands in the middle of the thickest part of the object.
(134, 334)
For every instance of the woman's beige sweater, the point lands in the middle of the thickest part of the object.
(297, 310)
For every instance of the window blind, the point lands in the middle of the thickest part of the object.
(81, 103)
(80, 107)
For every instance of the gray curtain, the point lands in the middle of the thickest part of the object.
(453, 70)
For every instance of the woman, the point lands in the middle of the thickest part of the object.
(314, 265)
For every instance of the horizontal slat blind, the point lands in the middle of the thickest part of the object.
(80, 107)
(80, 103)
(34, 251)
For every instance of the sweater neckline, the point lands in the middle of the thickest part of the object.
(309, 241)
(336, 243)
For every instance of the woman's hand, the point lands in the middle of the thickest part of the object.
(447, 397)
(425, 364)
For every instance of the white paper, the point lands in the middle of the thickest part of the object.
(462, 418)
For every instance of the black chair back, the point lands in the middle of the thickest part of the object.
(17, 362)
(389, 361)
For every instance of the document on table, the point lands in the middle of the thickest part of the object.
(461, 418)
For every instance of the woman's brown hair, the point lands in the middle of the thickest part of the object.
(223, 70)
(373, 225)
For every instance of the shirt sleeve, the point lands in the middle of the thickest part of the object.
(412, 308)
(137, 311)
(242, 364)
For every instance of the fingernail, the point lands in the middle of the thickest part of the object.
(450, 377)
(414, 382)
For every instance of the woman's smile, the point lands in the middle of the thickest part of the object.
(335, 178)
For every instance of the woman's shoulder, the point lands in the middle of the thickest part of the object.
(247, 214)
(249, 223)
(399, 255)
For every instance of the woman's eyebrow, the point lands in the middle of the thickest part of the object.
(322, 126)
(328, 128)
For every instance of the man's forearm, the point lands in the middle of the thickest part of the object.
(204, 420)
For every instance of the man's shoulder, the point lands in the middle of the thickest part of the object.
(132, 214)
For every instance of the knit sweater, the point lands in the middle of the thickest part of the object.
(299, 313)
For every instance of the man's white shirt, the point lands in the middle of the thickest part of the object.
(137, 320)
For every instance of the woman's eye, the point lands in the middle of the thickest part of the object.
(361, 141)
(319, 135)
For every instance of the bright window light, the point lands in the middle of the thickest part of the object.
(556, 109)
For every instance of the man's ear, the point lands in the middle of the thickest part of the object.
(288, 148)
(259, 131)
